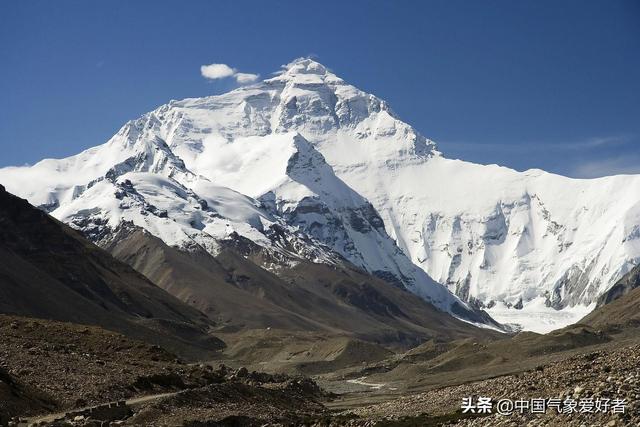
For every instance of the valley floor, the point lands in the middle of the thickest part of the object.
(87, 367)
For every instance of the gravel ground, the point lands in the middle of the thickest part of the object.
(76, 365)
(600, 375)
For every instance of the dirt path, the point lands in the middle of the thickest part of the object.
(129, 402)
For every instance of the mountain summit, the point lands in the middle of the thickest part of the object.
(309, 167)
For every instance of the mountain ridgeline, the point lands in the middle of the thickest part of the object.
(303, 169)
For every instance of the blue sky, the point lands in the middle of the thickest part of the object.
(526, 84)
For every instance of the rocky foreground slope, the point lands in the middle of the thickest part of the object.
(89, 367)
(603, 375)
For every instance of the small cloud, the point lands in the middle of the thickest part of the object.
(216, 71)
(244, 78)
(221, 71)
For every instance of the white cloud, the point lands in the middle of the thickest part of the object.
(216, 71)
(243, 78)
(221, 71)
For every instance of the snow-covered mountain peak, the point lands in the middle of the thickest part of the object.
(302, 69)
(340, 120)
(327, 158)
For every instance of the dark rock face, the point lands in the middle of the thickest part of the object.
(629, 282)
(617, 309)
(518, 305)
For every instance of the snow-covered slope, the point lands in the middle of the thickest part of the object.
(314, 152)
(135, 178)
(275, 190)
(294, 182)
